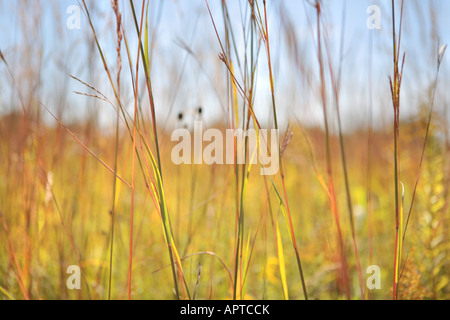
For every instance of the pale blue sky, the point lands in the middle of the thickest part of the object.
(66, 53)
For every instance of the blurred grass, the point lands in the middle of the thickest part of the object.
(58, 203)
(82, 189)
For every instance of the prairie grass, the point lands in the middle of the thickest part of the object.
(109, 199)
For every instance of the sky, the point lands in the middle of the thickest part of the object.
(34, 33)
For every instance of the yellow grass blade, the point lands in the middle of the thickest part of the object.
(282, 264)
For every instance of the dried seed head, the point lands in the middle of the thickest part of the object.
(180, 116)
(2, 57)
(286, 141)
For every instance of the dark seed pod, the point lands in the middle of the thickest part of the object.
(180, 116)
(200, 110)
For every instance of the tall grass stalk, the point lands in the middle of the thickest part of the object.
(336, 83)
(395, 83)
(343, 269)
(153, 164)
(157, 167)
(440, 56)
(247, 93)
(369, 201)
(115, 6)
(285, 198)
